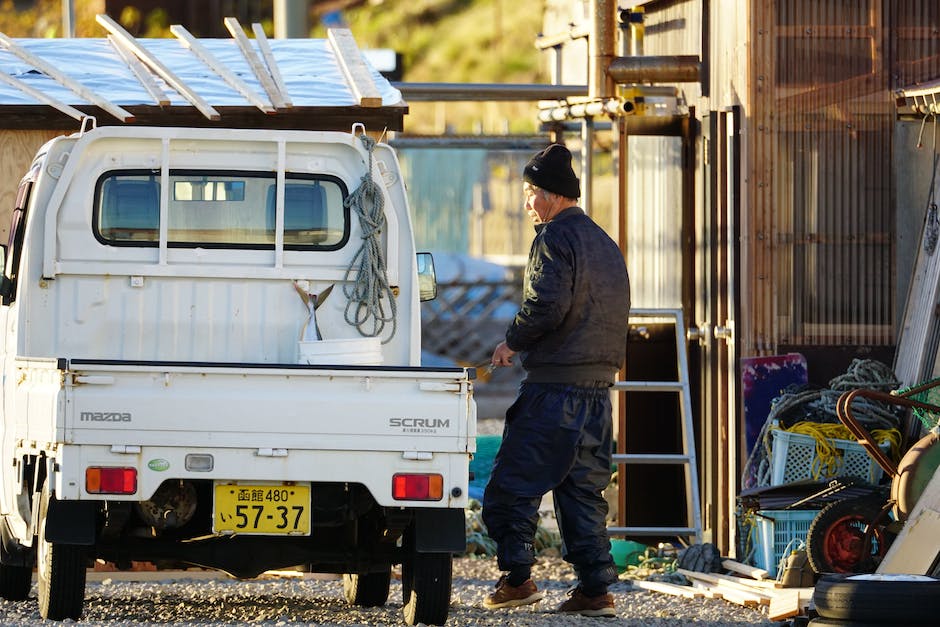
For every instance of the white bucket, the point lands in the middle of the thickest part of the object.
(360, 351)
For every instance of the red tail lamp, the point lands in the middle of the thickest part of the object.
(406, 487)
(110, 480)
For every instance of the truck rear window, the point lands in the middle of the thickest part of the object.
(220, 209)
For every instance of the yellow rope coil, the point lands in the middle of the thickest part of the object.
(828, 456)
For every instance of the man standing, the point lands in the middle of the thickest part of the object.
(571, 334)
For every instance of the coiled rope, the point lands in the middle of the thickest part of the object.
(819, 406)
(828, 457)
(370, 301)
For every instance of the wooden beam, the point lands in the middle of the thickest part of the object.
(271, 62)
(745, 569)
(267, 82)
(219, 68)
(141, 72)
(41, 97)
(62, 78)
(687, 592)
(354, 67)
(127, 40)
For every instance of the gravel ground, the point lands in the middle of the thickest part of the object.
(283, 601)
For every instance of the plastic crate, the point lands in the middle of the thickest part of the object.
(773, 532)
(793, 454)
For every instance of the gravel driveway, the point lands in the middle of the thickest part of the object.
(286, 601)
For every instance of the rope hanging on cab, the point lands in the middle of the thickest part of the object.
(370, 301)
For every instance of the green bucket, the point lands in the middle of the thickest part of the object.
(626, 553)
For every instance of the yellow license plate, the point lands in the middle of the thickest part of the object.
(261, 509)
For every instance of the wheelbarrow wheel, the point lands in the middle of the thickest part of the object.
(835, 541)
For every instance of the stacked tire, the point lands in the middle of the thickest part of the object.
(876, 600)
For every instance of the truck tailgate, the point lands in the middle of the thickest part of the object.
(301, 407)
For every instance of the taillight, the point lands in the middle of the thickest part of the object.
(110, 480)
(417, 487)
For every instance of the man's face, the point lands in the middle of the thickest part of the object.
(539, 204)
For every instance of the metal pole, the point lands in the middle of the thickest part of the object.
(290, 19)
(656, 69)
(601, 46)
(68, 18)
(486, 92)
(587, 163)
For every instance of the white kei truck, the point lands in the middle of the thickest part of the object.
(183, 385)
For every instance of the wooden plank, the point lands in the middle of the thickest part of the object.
(42, 97)
(687, 592)
(354, 67)
(745, 569)
(727, 584)
(271, 62)
(254, 62)
(787, 603)
(142, 73)
(219, 68)
(257, 67)
(738, 597)
(65, 80)
(127, 40)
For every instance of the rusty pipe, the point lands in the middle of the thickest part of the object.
(602, 48)
(655, 69)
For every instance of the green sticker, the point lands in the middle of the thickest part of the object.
(158, 465)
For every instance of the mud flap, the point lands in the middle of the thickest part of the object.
(71, 522)
(440, 530)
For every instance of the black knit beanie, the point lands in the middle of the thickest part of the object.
(551, 170)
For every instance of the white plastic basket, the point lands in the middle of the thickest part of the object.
(794, 454)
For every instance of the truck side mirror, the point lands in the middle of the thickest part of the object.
(427, 279)
(6, 285)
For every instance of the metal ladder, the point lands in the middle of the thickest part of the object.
(687, 456)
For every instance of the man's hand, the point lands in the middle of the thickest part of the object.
(502, 355)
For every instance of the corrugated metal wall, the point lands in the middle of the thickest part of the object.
(654, 212)
(819, 231)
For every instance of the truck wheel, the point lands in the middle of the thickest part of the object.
(368, 589)
(60, 573)
(15, 582)
(876, 598)
(835, 540)
(15, 578)
(426, 586)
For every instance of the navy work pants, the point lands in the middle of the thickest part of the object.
(557, 437)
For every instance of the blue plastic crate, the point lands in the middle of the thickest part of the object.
(773, 532)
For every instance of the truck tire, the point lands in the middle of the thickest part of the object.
(819, 621)
(426, 586)
(15, 578)
(15, 582)
(880, 599)
(368, 589)
(60, 572)
(835, 538)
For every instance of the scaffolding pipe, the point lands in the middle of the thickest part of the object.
(484, 92)
(656, 69)
(564, 111)
(602, 49)
(587, 164)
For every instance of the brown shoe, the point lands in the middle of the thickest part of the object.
(578, 603)
(512, 596)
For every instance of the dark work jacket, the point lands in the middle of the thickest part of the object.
(572, 326)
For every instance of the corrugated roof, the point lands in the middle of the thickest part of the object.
(315, 75)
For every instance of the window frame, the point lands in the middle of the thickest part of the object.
(195, 172)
